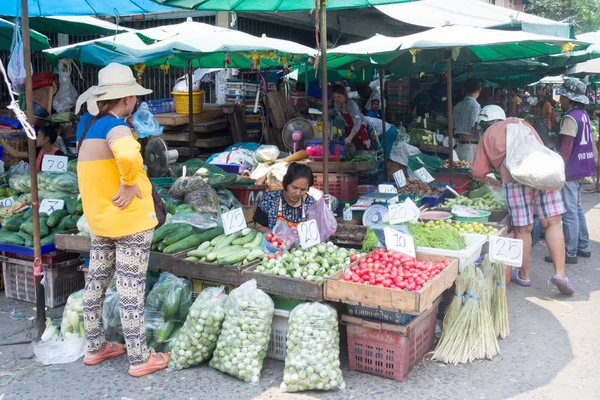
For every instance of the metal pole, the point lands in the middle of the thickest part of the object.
(508, 96)
(324, 93)
(192, 135)
(306, 83)
(35, 206)
(450, 127)
(382, 103)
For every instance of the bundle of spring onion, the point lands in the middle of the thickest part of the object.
(499, 304)
(442, 238)
(471, 336)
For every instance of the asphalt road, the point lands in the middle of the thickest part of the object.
(552, 353)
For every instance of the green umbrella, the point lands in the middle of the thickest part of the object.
(38, 41)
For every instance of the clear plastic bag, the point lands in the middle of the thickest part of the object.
(145, 124)
(60, 351)
(530, 162)
(16, 65)
(72, 320)
(281, 231)
(245, 334)
(204, 200)
(185, 185)
(111, 315)
(198, 337)
(167, 307)
(201, 221)
(266, 153)
(313, 350)
(325, 220)
(66, 96)
(227, 199)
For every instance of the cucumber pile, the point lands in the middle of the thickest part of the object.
(235, 249)
(178, 237)
(18, 229)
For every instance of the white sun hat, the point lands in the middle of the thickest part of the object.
(115, 81)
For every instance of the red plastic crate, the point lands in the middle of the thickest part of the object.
(342, 186)
(387, 350)
(248, 195)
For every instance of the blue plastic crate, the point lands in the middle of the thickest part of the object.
(433, 201)
(232, 168)
(26, 251)
(373, 314)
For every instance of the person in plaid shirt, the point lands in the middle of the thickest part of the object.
(523, 202)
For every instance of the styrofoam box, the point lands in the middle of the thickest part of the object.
(465, 257)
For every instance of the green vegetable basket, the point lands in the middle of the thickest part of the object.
(484, 216)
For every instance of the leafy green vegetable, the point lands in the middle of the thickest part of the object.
(370, 241)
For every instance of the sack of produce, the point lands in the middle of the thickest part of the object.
(312, 360)
(197, 339)
(530, 162)
(204, 200)
(167, 306)
(227, 199)
(246, 332)
(72, 320)
(185, 185)
(111, 316)
(266, 153)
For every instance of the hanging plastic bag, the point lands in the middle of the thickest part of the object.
(67, 95)
(145, 124)
(197, 339)
(313, 350)
(530, 162)
(246, 332)
(167, 307)
(111, 315)
(325, 220)
(282, 232)
(16, 64)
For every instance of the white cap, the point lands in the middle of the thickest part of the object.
(491, 113)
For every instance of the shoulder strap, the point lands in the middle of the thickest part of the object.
(87, 128)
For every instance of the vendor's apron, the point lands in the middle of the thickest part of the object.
(40, 158)
(292, 225)
(361, 136)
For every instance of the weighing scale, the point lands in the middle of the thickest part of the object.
(375, 207)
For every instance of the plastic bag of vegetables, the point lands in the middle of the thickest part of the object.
(197, 339)
(246, 332)
(111, 316)
(72, 320)
(313, 350)
(167, 306)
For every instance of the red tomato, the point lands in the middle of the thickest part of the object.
(353, 257)
(270, 256)
(347, 276)
(355, 278)
(387, 283)
(269, 236)
(278, 254)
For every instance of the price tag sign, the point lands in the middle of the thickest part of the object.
(7, 202)
(455, 156)
(233, 221)
(387, 189)
(400, 178)
(54, 163)
(464, 211)
(309, 234)
(423, 175)
(404, 212)
(399, 241)
(48, 206)
(507, 251)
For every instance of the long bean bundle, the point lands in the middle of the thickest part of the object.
(439, 238)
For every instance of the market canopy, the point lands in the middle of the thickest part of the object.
(474, 13)
(38, 41)
(76, 25)
(46, 8)
(207, 46)
(592, 66)
(465, 45)
(272, 5)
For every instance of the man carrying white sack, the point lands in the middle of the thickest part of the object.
(523, 202)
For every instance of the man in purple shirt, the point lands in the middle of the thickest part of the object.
(576, 146)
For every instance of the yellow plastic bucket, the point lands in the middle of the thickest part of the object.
(181, 100)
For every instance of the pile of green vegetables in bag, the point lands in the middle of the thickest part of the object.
(213, 175)
(167, 307)
(51, 185)
(485, 202)
(72, 320)
(234, 249)
(175, 237)
(197, 340)
(245, 333)
(18, 229)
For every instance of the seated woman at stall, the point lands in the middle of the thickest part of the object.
(45, 141)
(288, 205)
(356, 129)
